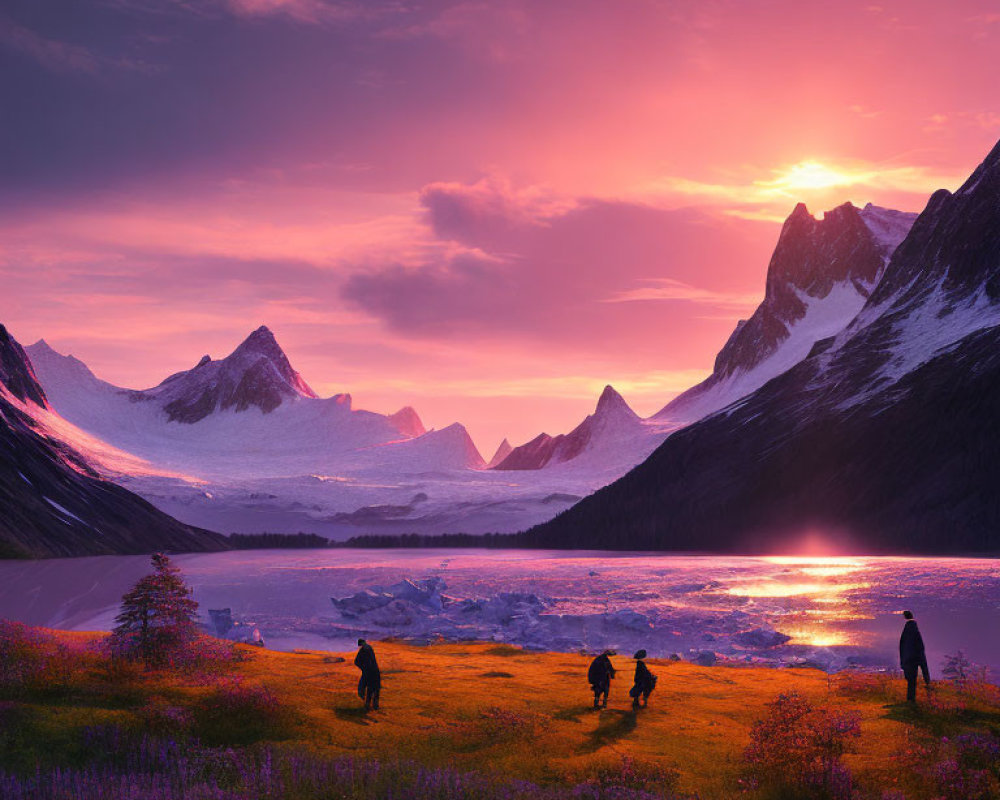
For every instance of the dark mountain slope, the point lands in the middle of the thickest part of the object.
(52, 503)
(887, 435)
(907, 476)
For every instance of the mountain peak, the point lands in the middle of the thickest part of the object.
(257, 374)
(937, 253)
(16, 372)
(813, 254)
(820, 275)
(501, 453)
(800, 212)
(262, 341)
(611, 401)
(408, 422)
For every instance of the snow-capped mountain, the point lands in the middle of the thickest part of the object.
(249, 414)
(52, 502)
(214, 448)
(242, 443)
(885, 436)
(614, 431)
(255, 375)
(820, 275)
(502, 451)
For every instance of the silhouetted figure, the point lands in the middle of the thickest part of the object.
(912, 656)
(645, 681)
(370, 685)
(599, 676)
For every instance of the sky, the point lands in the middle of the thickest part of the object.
(485, 210)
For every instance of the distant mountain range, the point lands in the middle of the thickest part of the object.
(884, 437)
(248, 414)
(857, 401)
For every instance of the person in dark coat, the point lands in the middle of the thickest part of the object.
(645, 681)
(912, 656)
(370, 685)
(599, 676)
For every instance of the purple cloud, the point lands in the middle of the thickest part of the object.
(523, 264)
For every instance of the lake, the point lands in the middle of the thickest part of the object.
(830, 612)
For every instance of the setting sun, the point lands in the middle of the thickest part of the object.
(811, 175)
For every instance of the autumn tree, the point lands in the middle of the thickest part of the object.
(157, 616)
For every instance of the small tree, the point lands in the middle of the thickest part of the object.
(157, 616)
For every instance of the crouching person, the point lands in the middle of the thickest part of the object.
(645, 681)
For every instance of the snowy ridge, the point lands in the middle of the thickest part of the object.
(300, 435)
(609, 441)
(888, 226)
(820, 277)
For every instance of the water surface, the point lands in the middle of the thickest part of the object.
(828, 612)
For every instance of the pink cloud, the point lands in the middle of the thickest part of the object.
(531, 266)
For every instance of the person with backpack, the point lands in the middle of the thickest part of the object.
(645, 681)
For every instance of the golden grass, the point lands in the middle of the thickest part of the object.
(434, 698)
(498, 709)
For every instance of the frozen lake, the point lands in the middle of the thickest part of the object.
(826, 611)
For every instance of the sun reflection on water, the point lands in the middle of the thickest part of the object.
(818, 592)
(820, 637)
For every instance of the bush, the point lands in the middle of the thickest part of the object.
(795, 750)
(968, 768)
(22, 657)
(872, 685)
(159, 717)
(631, 774)
(33, 661)
(238, 713)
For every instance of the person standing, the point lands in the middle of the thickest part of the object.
(599, 676)
(645, 681)
(370, 685)
(912, 656)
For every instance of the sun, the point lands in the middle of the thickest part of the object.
(811, 175)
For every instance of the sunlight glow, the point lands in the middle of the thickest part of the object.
(813, 175)
(820, 566)
(821, 592)
(819, 638)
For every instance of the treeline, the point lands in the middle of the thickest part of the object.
(267, 541)
(491, 540)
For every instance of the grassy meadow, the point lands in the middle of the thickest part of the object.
(501, 713)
